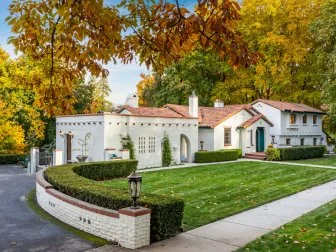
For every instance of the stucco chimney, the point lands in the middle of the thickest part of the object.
(193, 105)
(132, 100)
(219, 104)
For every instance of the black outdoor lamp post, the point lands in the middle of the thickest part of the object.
(134, 182)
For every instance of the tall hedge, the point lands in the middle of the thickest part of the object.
(303, 152)
(216, 156)
(11, 158)
(80, 181)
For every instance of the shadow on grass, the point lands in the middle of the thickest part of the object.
(32, 203)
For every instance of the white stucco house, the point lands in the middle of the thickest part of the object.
(250, 127)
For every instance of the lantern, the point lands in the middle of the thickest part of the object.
(134, 182)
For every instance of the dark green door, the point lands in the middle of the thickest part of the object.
(260, 140)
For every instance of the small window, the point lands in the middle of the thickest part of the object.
(227, 136)
(273, 140)
(314, 119)
(142, 145)
(302, 141)
(314, 141)
(151, 144)
(304, 119)
(292, 119)
(288, 141)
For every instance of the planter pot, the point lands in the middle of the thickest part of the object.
(81, 158)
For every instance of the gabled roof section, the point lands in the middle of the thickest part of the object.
(151, 112)
(290, 107)
(210, 117)
(253, 120)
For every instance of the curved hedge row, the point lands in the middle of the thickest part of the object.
(81, 181)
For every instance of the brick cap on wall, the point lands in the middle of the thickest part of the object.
(107, 149)
(123, 150)
(134, 212)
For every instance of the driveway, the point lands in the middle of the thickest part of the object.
(20, 228)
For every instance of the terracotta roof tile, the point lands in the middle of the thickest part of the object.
(289, 106)
(152, 112)
(254, 119)
(210, 117)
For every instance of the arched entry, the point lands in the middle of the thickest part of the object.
(185, 155)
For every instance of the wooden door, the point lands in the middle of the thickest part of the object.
(69, 147)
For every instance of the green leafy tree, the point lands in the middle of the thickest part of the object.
(200, 71)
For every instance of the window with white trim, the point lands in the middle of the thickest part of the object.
(293, 119)
(142, 145)
(151, 144)
(314, 119)
(227, 136)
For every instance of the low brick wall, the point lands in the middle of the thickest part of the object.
(129, 227)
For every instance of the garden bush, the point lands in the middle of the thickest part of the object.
(81, 181)
(216, 156)
(11, 158)
(304, 152)
(272, 154)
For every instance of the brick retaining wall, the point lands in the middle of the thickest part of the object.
(129, 227)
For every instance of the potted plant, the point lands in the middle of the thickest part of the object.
(83, 143)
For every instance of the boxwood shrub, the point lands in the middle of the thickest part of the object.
(11, 158)
(81, 181)
(216, 156)
(303, 152)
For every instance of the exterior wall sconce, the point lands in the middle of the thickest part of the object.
(70, 134)
(61, 133)
(201, 142)
(134, 182)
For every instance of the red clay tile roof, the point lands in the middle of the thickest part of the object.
(210, 117)
(254, 119)
(289, 106)
(152, 112)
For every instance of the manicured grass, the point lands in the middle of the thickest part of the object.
(213, 192)
(315, 231)
(32, 203)
(329, 160)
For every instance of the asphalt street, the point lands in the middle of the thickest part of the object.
(21, 229)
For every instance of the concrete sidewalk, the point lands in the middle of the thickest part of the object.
(236, 231)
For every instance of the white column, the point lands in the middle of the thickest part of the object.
(34, 159)
(134, 227)
(124, 154)
(57, 157)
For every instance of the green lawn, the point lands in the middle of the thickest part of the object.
(315, 231)
(213, 192)
(326, 160)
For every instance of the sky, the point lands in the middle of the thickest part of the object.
(122, 78)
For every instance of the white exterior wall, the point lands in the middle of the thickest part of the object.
(282, 128)
(233, 122)
(246, 136)
(206, 135)
(107, 128)
(80, 126)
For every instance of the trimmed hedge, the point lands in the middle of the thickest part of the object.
(304, 152)
(11, 158)
(79, 181)
(216, 156)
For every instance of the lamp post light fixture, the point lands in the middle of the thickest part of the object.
(201, 142)
(134, 182)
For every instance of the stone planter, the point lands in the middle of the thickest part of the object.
(81, 158)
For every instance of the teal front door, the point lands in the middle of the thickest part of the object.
(260, 140)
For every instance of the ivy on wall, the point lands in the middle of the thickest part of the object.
(166, 151)
(128, 144)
